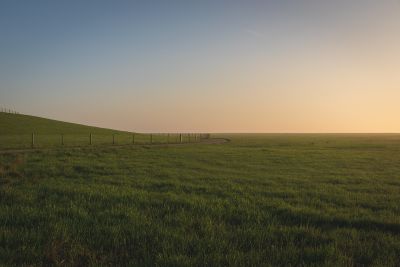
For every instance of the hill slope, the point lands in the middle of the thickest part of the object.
(25, 124)
(16, 133)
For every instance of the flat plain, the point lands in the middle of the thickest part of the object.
(259, 200)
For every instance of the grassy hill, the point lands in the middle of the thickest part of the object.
(16, 133)
(25, 124)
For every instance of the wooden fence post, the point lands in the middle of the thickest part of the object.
(33, 140)
(180, 138)
(62, 139)
(90, 139)
(113, 139)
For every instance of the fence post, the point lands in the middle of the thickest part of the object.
(113, 139)
(180, 138)
(62, 139)
(90, 138)
(133, 139)
(33, 140)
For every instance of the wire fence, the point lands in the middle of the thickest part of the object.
(8, 110)
(39, 140)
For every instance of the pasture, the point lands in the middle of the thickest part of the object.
(259, 200)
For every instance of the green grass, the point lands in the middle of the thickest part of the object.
(260, 200)
(13, 124)
(16, 133)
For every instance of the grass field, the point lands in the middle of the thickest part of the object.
(260, 200)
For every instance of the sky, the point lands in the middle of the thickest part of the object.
(284, 66)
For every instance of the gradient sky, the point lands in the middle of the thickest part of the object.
(206, 66)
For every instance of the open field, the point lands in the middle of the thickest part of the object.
(260, 200)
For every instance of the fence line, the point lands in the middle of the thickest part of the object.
(8, 110)
(35, 140)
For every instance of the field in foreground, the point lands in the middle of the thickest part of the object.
(260, 200)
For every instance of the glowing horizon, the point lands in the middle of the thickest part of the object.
(212, 66)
